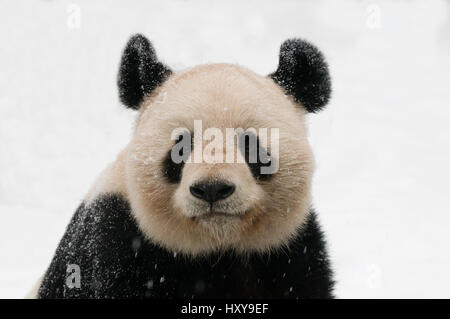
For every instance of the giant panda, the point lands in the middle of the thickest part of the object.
(152, 227)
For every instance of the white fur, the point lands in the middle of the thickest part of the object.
(33, 294)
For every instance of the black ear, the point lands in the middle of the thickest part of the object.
(140, 71)
(303, 73)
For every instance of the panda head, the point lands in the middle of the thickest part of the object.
(217, 197)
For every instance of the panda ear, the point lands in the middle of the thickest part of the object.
(140, 72)
(303, 73)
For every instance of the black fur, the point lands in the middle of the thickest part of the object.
(303, 73)
(171, 169)
(263, 158)
(140, 72)
(116, 261)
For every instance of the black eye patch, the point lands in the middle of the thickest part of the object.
(176, 157)
(256, 156)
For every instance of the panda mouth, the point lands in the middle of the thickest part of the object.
(213, 214)
(216, 214)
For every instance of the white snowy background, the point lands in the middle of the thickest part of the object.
(382, 145)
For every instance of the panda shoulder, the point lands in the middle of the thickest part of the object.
(110, 181)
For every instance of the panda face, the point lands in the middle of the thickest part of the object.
(202, 206)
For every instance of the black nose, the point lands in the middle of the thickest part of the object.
(212, 191)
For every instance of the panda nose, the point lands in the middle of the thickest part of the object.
(212, 192)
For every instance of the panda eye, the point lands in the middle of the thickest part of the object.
(179, 140)
(256, 156)
(176, 157)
